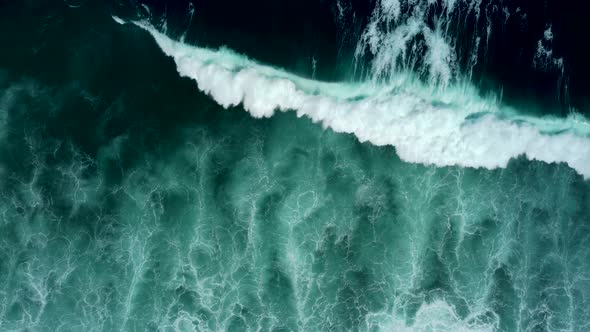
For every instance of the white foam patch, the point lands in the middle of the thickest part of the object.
(435, 316)
(118, 20)
(429, 126)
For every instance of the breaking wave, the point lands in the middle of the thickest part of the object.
(432, 126)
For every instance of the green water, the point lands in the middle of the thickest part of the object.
(130, 201)
(232, 223)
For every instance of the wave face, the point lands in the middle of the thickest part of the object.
(448, 127)
(349, 166)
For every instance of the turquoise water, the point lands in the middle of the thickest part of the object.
(276, 224)
(132, 201)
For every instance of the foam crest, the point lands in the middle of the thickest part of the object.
(447, 127)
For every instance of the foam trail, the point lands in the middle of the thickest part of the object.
(118, 20)
(451, 127)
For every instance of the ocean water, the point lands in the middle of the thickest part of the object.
(391, 165)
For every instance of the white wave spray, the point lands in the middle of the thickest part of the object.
(428, 126)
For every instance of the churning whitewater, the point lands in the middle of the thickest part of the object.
(442, 127)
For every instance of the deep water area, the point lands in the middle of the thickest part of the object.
(137, 195)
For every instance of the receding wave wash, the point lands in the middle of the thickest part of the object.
(335, 165)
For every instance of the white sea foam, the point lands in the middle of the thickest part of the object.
(398, 39)
(429, 126)
(401, 37)
(118, 20)
(435, 316)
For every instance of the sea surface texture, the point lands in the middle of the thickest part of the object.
(301, 165)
